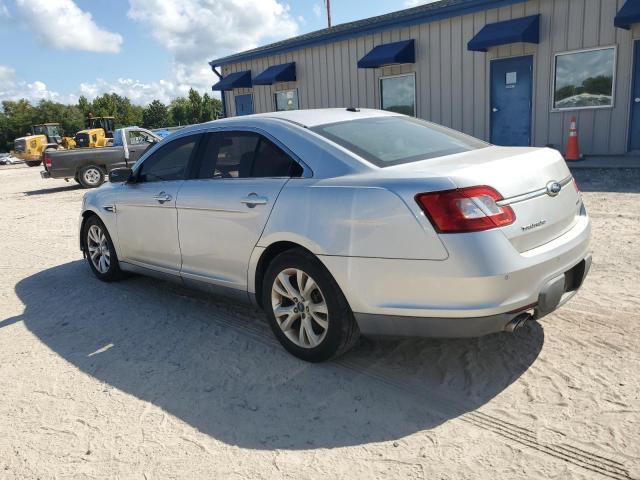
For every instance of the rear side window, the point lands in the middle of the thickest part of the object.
(244, 155)
(169, 162)
(386, 141)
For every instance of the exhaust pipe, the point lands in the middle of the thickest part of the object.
(518, 322)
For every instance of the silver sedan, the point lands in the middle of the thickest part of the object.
(343, 222)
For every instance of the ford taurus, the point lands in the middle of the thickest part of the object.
(342, 222)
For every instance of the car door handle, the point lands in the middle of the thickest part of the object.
(495, 110)
(637, 100)
(163, 197)
(253, 199)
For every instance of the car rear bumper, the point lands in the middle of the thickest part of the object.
(483, 285)
(553, 295)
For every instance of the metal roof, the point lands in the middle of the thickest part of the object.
(412, 16)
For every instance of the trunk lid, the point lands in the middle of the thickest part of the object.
(523, 176)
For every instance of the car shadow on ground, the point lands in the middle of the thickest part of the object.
(215, 365)
(621, 180)
(45, 191)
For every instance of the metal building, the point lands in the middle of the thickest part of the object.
(511, 72)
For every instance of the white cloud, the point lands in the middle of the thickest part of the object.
(317, 10)
(62, 24)
(13, 88)
(138, 92)
(4, 11)
(192, 31)
(197, 31)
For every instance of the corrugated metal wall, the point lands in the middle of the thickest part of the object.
(453, 83)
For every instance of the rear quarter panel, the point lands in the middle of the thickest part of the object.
(356, 220)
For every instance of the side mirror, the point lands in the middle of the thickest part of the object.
(119, 175)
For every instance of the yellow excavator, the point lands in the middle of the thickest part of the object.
(31, 147)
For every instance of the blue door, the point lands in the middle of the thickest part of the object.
(511, 90)
(634, 131)
(244, 104)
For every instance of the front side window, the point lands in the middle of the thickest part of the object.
(392, 140)
(287, 100)
(138, 137)
(169, 162)
(244, 155)
(584, 79)
(398, 94)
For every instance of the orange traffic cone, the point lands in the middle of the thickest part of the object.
(573, 148)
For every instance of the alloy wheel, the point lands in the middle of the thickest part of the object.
(300, 308)
(92, 176)
(98, 248)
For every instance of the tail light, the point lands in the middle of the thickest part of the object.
(471, 209)
(47, 160)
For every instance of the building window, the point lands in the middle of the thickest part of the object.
(398, 94)
(584, 79)
(287, 100)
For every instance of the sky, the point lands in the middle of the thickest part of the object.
(146, 49)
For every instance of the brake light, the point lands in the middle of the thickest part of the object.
(47, 160)
(471, 209)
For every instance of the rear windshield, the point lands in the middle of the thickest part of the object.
(386, 141)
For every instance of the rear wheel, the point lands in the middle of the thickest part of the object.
(306, 309)
(99, 251)
(33, 163)
(91, 176)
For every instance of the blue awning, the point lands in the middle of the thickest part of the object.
(285, 72)
(389, 54)
(234, 80)
(525, 29)
(628, 15)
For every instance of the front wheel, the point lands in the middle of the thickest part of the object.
(91, 176)
(33, 163)
(307, 311)
(99, 251)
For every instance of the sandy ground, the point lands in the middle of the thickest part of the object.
(143, 379)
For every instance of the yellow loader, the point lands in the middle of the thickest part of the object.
(42, 137)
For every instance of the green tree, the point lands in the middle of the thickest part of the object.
(155, 115)
(211, 108)
(179, 111)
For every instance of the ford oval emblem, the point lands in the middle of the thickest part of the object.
(553, 188)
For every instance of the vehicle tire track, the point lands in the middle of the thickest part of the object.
(566, 452)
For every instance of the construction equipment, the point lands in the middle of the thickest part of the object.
(46, 136)
(42, 137)
(99, 132)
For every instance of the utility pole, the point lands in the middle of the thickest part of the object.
(328, 5)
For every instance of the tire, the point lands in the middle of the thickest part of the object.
(33, 163)
(96, 238)
(91, 176)
(332, 333)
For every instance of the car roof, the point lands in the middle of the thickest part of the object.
(314, 117)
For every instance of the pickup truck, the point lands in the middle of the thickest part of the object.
(90, 166)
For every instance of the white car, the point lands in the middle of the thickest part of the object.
(343, 221)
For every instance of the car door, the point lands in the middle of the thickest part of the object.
(222, 211)
(146, 208)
